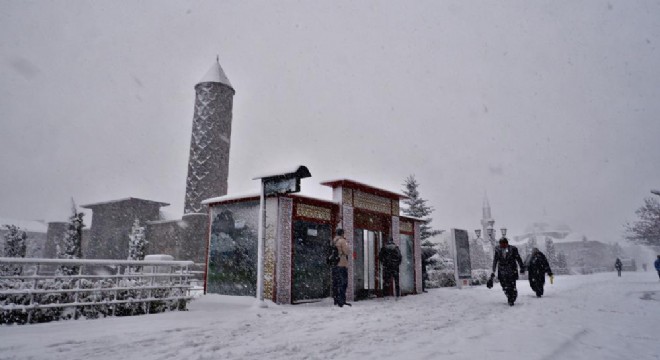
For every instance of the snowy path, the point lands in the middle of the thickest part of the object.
(581, 317)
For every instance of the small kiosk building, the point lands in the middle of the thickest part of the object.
(297, 231)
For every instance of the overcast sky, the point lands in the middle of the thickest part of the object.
(552, 108)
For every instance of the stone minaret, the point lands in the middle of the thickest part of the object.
(208, 166)
(487, 222)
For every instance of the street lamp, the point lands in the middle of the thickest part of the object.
(503, 230)
(478, 233)
(491, 236)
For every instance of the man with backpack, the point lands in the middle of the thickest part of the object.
(390, 257)
(339, 261)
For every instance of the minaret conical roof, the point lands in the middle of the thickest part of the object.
(216, 74)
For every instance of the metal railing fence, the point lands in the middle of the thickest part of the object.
(38, 290)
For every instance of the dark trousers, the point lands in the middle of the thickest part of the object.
(339, 284)
(509, 288)
(619, 271)
(536, 282)
(392, 274)
(659, 273)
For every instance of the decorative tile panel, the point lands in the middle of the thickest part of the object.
(395, 208)
(372, 202)
(347, 196)
(283, 270)
(314, 212)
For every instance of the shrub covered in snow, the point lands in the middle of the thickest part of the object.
(102, 300)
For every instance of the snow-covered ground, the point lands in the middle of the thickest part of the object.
(596, 316)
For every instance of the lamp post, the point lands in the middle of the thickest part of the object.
(478, 233)
(503, 230)
(491, 236)
(282, 183)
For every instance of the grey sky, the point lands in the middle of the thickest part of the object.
(551, 107)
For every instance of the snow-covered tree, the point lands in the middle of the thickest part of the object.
(71, 246)
(562, 263)
(137, 242)
(15, 246)
(551, 252)
(417, 207)
(478, 257)
(617, 251)
(646, 230)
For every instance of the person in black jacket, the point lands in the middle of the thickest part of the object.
(504, 262)
(390, 257)
(537, 267)
(618, 266)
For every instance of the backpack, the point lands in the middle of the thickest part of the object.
(332, 257)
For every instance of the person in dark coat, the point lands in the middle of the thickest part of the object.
(618, 265)
(505, 260)
(390, 257)
(537, 268)
(657, 265)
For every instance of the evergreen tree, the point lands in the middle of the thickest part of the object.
(15, 246)
(551, 252)
(71, 246)
(137, 242)
(562, 263)
(617, 251)
(416, 207)
(646, 231)
(478, 257)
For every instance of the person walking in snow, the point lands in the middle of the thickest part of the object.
(537, 267)
(505, 260)
(657, 265)
(390, 257)
(618, 266)
(340, 271)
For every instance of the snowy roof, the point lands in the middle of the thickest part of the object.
(362, 186)
(216, 74)
(406, 217)
(166, 215)
(38, 226)
(230, 198)
(91, 206)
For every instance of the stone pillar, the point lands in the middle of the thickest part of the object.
(417, 245)
(396, 232)
(270, 244)
(284, 235)
(347, 214)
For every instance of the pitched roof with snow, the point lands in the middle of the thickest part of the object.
(364, 187)
(128, 199)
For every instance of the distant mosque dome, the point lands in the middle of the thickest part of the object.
(542, 227)
(556, 230)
